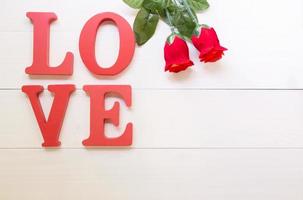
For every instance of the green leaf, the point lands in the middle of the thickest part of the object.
(155, 6)
(182, 20)
(134, 3)
(198, 5)
(145, 25)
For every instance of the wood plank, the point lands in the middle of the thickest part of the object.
(151, 174)
(169, 119)
(259, 47)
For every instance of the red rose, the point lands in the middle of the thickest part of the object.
(176, 55)
(209, 46)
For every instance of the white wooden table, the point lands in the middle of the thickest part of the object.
(232, 130)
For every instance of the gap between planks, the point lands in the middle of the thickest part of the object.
(156, 148)
(186, 89)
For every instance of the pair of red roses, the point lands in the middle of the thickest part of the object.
(176, 53)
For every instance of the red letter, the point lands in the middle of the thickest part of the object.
(98, 115)
(50, 128)
(88, 40)
(40, 66)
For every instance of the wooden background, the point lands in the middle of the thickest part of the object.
(232, 130)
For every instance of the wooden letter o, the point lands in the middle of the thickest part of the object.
(88, 39)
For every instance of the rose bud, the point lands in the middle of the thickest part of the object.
(208, 44)
(176, 55)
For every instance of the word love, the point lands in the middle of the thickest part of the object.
(50, 127)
